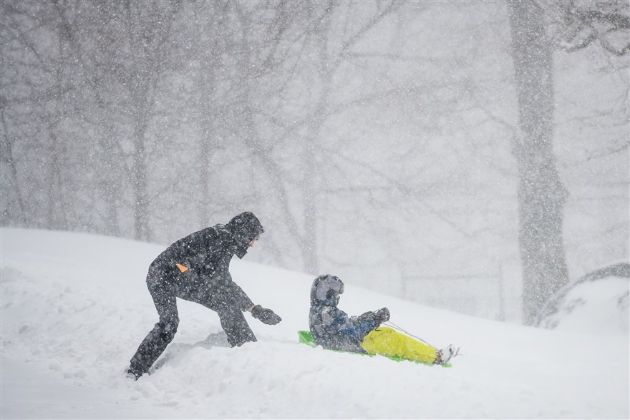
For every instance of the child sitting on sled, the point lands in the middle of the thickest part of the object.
(333, 329)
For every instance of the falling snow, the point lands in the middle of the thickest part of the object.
(465, 155)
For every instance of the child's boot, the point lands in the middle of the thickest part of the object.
(446, 354)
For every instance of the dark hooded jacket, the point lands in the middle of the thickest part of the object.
(205, 258)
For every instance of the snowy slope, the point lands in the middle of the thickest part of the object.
(74, 308)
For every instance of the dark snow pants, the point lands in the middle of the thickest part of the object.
(162, 287)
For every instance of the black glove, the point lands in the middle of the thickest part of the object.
(265, 315)
(381, 315)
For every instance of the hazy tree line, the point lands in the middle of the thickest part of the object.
(150, 119)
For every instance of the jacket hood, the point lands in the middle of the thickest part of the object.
(244, 228)
(326, 290)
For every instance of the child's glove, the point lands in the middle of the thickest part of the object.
(381, 315)
(265, 315)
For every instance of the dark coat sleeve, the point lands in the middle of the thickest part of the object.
(244, 302)
(222, 279)
(217, 270)
(333, 328)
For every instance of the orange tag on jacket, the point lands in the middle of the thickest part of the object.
(182, 268)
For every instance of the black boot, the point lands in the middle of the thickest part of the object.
(134, 373)
(152, 347)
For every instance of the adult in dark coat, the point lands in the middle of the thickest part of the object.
(196, 268)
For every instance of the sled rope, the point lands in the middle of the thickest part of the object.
(391, 324)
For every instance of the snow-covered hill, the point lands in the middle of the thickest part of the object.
(74, 308)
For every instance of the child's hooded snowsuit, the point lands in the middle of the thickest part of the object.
(331, 327)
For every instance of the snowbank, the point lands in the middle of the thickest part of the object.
(598, 307)
(596, 303)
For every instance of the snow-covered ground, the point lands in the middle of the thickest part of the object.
(74, 308)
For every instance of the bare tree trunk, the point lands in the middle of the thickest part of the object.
(309, 164)
(541, 195)
(56, 209)
(145, 72)
(205, 148)
(252, 137)
(110, 156)
(309, 192)
(110, 183)
(141, 203)
(6, 154)
(310, 188)
(57, 215)
(207, 143)
(327, 64)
